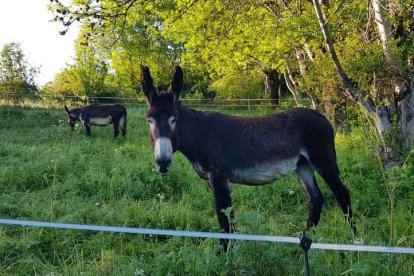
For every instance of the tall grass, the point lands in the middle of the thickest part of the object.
(49, 173)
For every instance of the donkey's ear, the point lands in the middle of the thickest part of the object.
(67, 109)
(147, 85)
(176, 82)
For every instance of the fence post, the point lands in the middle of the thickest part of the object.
(248, 104)
(305, 244)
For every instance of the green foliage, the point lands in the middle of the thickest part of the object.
(17, 76)
(90, 70)
(88, 77)
(200, 90)
(238, 85)
(228, 40)
(222, 41)
(14, 91)
(49, 173)
(64, 84)
(361, 62)
(14, 65)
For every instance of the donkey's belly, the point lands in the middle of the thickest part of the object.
(264, 173)
(101, 121)
(199, 170)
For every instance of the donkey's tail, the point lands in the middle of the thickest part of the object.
(123, 130)
(123, 124)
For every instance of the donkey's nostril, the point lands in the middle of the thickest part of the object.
(163, 165)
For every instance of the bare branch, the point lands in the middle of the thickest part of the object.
(92, 14)
(352, 92)
(182, 13)
(336, 10)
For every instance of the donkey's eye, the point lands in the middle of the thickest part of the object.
(150, 120)
(172, 120)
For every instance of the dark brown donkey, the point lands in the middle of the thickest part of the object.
(226, 149)
(99, 115)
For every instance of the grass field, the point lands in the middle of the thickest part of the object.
(48, 173)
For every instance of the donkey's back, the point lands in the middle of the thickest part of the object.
(103, 110)
(258, 150)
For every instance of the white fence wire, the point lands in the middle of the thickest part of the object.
(194, 234)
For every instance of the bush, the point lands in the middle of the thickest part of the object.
(239, 85)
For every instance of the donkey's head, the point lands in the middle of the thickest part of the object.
(71, 117)
(162, 116)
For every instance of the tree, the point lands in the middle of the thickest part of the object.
(226, 37)
(86, 77)
(90, 70)
(64, 84)
(141, 42)
(127, 34)
(391, 107)
(17, 76)
(364, 56)
(171, 31)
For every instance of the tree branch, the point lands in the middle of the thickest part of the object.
(182, 13)
(352, 92)
(91, 14)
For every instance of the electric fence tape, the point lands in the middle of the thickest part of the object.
(194, 234)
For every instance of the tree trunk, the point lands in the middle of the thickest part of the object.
(301, 56)
(403, 96)
(378, 114)
(281, 86)
(401, 107)
(135, 84)
(313, 101)
(291, 85)
(406, 110)
(272, 85)
(385, 34)
(383, 28)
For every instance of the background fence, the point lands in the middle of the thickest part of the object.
(54, 101)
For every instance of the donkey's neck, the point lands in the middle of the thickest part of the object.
(191, 130)
(77, 112)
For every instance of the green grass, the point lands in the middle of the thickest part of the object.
(48, 173)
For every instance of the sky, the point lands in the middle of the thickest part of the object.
(28, 22)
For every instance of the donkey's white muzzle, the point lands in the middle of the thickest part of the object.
(163, 153)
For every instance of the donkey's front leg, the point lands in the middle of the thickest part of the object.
(86, 123)
(221, 189)
(87, 128)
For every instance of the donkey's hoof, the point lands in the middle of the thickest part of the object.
(305, 242)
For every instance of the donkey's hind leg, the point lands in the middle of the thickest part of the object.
(306, 177)
(122, 125)
(323, 160)
(116, 128)
(341, 193)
